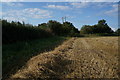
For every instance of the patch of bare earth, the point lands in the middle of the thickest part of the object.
(75, 58)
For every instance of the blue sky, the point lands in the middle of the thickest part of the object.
(79, 13)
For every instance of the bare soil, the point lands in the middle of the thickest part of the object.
(75, 58)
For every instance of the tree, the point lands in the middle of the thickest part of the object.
(69, 28)
(102, 22)
(101, 27)
(43, 26)
(16, 31)
(117, 31)
(56, 27)
(86, 29)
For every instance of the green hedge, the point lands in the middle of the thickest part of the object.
(14, 32)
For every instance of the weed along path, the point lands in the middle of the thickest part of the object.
(75, 58)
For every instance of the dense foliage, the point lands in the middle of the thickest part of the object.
(101, 27)
(65, 29)
(16, 31)
(55, 27)
(118, 31)
(69, 29)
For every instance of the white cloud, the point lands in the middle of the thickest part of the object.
(113, 11)
(58, 7)
(8, 0)
(22, 15)
(60, 0)
(15, 18)
(88, 16)
(90, 4)
(11, 0)
(0, 13)
(100, 0)
(37, 13)
(79, 4)
(101, 4)
(70, 16)
(11, 4)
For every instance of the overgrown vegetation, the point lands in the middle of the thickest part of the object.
(100, 29)
(117, 32)
(65, 29)
(16, 31)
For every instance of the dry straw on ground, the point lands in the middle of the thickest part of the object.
(75, 58)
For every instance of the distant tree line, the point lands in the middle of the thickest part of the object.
(118, 31)
(101, 28)
(65, 29)
(17, 31)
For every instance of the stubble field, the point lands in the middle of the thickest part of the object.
(76, 58)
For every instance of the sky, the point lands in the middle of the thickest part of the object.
(60, 0)
(79, 13)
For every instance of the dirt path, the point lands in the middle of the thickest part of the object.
(75, 58)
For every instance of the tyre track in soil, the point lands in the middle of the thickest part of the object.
(92, 62)
(75, 58)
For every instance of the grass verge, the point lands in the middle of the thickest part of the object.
(17, 54)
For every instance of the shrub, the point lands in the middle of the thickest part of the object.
(16, 31)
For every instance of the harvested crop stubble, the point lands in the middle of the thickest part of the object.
(75, 58)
